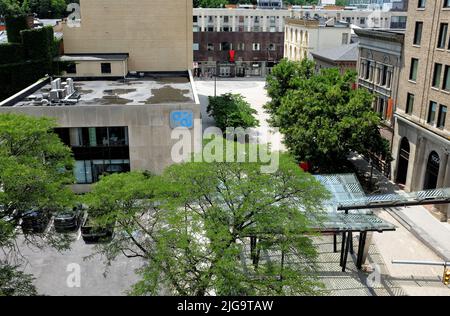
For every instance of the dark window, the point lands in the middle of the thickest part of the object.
(421, 4)
(410, 103)
(437, 75)
(225, 46)
(106, 68)
(442, 35)
(442, 116)
(414, 68)
(446, 83)
(418, 33)
(432, 113)
(71, 68)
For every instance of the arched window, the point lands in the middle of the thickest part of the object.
(432, 172)
(403, 161)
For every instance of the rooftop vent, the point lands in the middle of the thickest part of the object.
(61, 93)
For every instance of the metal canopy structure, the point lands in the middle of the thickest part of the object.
(437, 196)
(345, 188)
(349, 211)
(338, 223)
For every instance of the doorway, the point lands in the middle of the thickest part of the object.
(432, 172)
(225, 71)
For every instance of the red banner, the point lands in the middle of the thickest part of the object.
(232, 54)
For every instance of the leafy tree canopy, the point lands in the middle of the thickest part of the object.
(14, 282)
(322, 117)
(215, 228)
(231, 110)
(35, 169)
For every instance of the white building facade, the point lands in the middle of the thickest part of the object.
(302, 37)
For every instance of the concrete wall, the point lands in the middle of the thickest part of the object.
(157, 34)
(94, 69)
(149, 130)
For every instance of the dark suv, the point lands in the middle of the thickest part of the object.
(35, 221)
(93, 233)
(69, 219)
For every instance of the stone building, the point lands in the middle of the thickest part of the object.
(380, 61)
(421, 145)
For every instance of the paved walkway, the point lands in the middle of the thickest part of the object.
(253, 89)
(417, 219)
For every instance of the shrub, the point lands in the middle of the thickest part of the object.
(11, 53)
(14, 25)
(38, 43)
(231, 110)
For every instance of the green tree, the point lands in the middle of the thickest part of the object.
(231, 110)
(215, 228)
(212, 3)
(35, 169)
(10, 8)
(322, 117)
(14, 282)
(287, 75)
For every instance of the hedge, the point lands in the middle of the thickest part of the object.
(18, 76)
(15, 24)
(11, 53)
(38, 43)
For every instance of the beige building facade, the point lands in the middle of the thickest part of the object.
(421, 146)
(304, 36)
(156, 34)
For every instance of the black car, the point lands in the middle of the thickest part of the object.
(35, 221)
(69, 219)
(94, 233)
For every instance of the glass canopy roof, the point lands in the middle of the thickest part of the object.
(345, 188)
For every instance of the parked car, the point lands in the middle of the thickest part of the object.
(69, 219)
(93, 233)
(35, 221)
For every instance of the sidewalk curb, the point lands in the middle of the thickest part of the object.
(420, 234)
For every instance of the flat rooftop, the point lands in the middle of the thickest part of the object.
(134, 91)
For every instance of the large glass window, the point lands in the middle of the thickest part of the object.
(83, 172)
(90, 171)
(98, 137)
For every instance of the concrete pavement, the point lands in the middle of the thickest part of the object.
(253, 90)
